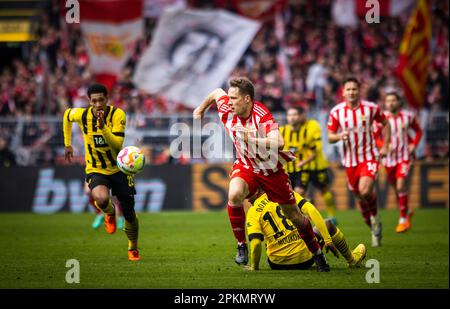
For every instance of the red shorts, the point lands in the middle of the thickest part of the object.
(276, 185)
(354, 173)
(401, 170)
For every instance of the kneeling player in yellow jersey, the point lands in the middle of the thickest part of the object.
(285, 249)
(103, 128)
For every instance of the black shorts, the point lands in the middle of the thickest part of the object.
(319, 179)
(302, 266)
(119, 183)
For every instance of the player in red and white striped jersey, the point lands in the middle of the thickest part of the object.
(352, 123)
(401, 153)
(259, 162)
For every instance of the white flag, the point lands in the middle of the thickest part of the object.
(192, 53)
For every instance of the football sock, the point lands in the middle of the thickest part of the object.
(307, 234)
(373, 205)
(132, 229)
(341, 244)
(92, 202)
(329, 203)
(109, 210)
(402, 198)
(237, 220)
(365, 211)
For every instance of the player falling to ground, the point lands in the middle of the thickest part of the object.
(259, 162)
(284, 247)
(103, 128)
(99, 215)
(400, 157)
(352, 123)
(303, 137)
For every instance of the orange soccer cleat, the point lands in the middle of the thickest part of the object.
(133, 255)
(409, 219)
(402, 227)
(110, 223)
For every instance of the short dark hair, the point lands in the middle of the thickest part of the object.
(299, 109)
(395, 94)
(97, 88)
(351, 79)
(244, 85)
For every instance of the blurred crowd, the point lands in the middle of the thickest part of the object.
(319, 54)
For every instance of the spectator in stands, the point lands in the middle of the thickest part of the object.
(7, 157)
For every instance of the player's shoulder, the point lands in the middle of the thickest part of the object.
(338, 107)
(313, 123)
(408, 113)
(369, 104)
(260, 109)
(117, 112)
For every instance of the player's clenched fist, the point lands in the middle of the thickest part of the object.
(198, 113)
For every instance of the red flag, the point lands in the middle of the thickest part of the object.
(414, 54)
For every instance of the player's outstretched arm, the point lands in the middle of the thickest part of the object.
(212, 98)
(116, 136)
(70, 115)
(334, 137)
(255, 253)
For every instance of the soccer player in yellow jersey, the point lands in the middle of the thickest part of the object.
(284, 246)
(103, 128)
(303, 137)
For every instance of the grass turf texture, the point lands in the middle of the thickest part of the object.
(196, 250)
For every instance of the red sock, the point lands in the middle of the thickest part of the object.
(365, 211)
(237, 220)
(373, 205)
(307, 234)
(402, 198)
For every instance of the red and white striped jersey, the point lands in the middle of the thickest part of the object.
(257, 125)
(401, 123)
(360, 145)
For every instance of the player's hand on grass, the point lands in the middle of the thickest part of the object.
(68, 153)
(101, 121)
(331, 247)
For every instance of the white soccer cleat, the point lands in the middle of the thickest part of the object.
(376, 228)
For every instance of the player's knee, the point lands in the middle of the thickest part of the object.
(102, 199)
(400, 186)
(365, 193)
(236, 197)
(330, 227)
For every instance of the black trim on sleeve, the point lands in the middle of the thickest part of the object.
(301, 203)
(68, 114)
(256, 236)
(122, 134)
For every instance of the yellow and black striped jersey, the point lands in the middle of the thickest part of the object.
(101, 146)
(303, 142)
(283, 242)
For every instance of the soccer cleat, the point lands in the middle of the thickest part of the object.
(409, 219)
(321, 263)
(359, 254)
(376, 228)
(402, 227)
(98, 221)
(120, 223)
(133, 255)
(110, 223)
(241, 255)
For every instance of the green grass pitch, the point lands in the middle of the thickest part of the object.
(196, 250)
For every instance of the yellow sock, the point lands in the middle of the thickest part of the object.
(341, 244)
(329, 203)
(132, 229)
(109, 210)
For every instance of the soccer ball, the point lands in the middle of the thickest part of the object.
(131, 160)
